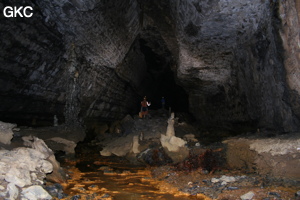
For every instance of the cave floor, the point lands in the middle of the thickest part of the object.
(95, 177)
(98, 177)
(92, 176)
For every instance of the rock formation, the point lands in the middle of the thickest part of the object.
(23, 170)
(174, 146)
(230, 63)
(135, 144)
(6, 132)
(278, 157)
(169, 140)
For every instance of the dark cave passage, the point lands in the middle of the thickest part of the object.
(159, 80)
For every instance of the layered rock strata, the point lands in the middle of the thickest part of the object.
(236, 61)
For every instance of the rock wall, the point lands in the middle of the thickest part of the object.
(31, 67)
(231, 62)
(237, 61)
(289, 12)
(61, 61)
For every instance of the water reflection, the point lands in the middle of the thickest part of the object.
(108, 179)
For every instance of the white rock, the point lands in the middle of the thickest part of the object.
(274, 146)
(190, 137)
(40, 146)
(3, 152)
(215, 180)
(6, 133)
(68, 146)
(35, 192)
(23, 165)
(4, 167)
(247, 196)
(19, 177)
(177, 141)
(228, 179)
(105, 152)
(172, 143)
(37, 154)
(224, 183)
(33, 176)
(27, 140)
(45, 166)
(12, 190)
(170, 128)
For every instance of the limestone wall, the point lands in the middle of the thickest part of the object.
(237, 60)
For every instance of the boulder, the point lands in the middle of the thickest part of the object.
(172, 143)
(120, 146)
(6, 132)
(127, 123)
(35, 192)
(190, 138)
(62, 144)
(57, 175)
(154, 157)
(280, 153)
(12, 190)
(25, 167)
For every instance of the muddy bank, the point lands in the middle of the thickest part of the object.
(266, 154)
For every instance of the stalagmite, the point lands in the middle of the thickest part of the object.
(135, 144)
(170, 129)
(170, 141)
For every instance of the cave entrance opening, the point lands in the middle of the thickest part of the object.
(159, 80)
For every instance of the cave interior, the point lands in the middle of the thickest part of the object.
(74, 73)
(96, 60)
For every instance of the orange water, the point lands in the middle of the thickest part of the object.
(118, 181)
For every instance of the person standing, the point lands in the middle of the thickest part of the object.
(144, 107)
(163, 102)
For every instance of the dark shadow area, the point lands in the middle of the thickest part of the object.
(25, 110)
(160, 79)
